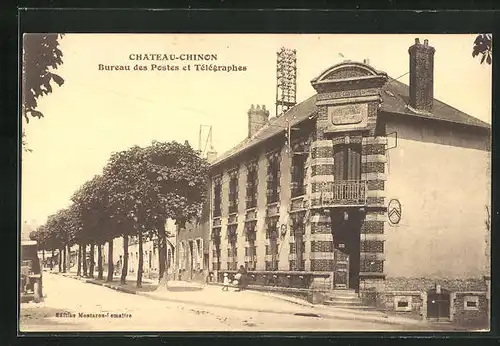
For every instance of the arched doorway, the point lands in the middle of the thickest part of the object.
(438, 304)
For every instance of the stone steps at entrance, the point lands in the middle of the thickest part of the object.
(347, 299)
(356, 306)
(343, 294)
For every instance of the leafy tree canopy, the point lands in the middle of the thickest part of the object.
(41, 56)
(482, 46)
(91, 209)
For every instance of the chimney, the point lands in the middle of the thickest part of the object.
(211, 155)
(421, 76)
(366, 61)
(257, 118)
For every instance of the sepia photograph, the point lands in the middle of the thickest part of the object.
(255, 182)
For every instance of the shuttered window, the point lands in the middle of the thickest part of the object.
(217, 198)
(298, 173)
(347, 162)
(272, 180)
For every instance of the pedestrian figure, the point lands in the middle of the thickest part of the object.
(225, 286)
(243, 277)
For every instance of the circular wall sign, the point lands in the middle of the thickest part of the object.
(394, 211)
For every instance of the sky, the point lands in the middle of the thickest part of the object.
(97, 112)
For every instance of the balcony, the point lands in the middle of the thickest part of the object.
(341, 193)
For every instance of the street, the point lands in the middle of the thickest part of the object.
(73, 305)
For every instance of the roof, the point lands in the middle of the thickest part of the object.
(276, 125)
(395, 98)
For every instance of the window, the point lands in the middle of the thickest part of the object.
(272, 228)
(471, 303)
(232, 250)
(217, 197)
(347, 162)
(298, 175)
(251, 250)
(252, 186)
(272, 250)
(272, 179)
(298, 248)
(402, 303)
(233, 193)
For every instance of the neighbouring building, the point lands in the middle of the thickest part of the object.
(192, 259)
(381, 190)
(193, 243)
(150, 254)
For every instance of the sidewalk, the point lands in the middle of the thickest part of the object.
(256, 301)
(129, 287)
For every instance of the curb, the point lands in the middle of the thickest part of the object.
(279, 312)
(97, 283)
(292, 300)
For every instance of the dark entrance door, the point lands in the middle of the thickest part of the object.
(438, 305)
(346, 227)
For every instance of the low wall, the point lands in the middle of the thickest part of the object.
(283, 279)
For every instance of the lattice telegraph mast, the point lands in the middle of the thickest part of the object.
(208, 140)
(286, 76)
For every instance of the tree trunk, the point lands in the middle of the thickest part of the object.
(68, 257)
(162, 250)
(125, 260)
(60, 260)
(84, 259)
(52, 260)
(91, 269)
(65, 264)
(99, 262)
(139, 265)
(110, 261)
(43, 255)
(79, 265)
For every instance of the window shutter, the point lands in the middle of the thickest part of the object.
(338, 162)
(354, 162)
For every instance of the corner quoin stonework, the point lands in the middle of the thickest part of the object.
(351, 84)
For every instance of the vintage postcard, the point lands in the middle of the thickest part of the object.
(255, 182)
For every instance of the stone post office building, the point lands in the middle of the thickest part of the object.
(381, 191)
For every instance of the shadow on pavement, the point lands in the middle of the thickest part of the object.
(180, 289)
(130, 285)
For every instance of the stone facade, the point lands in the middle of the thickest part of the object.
(287, 239)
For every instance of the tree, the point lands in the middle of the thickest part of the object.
(41, 55)
(483, 46)
(41, 235)
(74, 229)
(91, 200)
(132, 199)
(149, 185)
(58, 225)
(179, 175)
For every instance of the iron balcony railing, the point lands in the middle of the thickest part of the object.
(344, 192)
